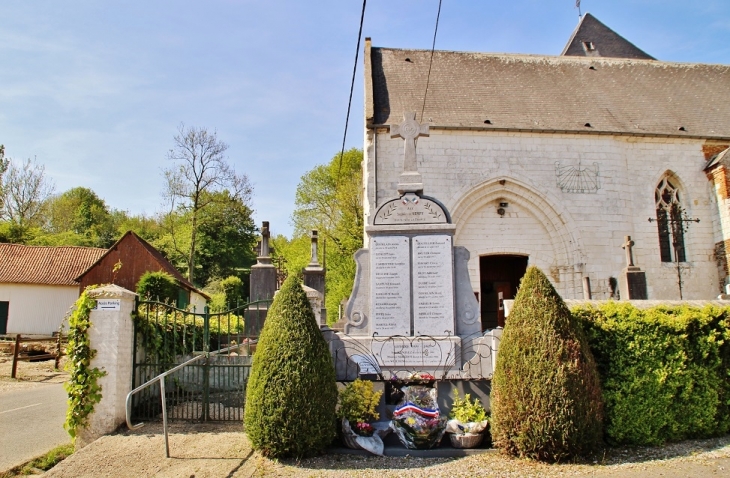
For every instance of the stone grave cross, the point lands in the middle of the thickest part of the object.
(629, 252)
(409, 130)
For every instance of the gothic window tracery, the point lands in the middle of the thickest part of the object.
(669, 210)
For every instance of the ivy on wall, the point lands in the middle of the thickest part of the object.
(83, 388)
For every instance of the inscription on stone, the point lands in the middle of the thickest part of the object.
(433, 287)
(390, 286)
(416, 353)
(410, 209)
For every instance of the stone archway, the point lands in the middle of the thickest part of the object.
(506, 216)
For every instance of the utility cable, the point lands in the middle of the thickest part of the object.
(430, 63)
(352, 87)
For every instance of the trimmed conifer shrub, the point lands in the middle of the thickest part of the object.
(546, 394)
(291, 394)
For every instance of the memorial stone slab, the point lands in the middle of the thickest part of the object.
(418, 353)
(390, 286)
(433, 286)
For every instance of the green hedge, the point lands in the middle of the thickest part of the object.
(665, 371)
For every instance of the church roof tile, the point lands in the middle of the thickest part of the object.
(549, 93)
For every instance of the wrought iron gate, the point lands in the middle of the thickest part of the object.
(213, 388)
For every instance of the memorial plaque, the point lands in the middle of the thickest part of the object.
(390, 290)
(433, 286)
(417, 352)
(410, 209)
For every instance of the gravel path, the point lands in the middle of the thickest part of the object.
(204, 450)
(221, 450)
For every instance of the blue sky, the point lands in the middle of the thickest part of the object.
(95, 90)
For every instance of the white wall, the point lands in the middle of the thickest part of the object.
(568, 235)
(37, 309)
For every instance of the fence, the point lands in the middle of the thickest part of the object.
(209, 389)
(56, 355)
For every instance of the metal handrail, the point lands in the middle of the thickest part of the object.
(160, 378)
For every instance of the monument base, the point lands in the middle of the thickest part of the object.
(633, 284)
(397, 356)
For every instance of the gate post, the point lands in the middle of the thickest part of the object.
(206, 365)
(111, 335)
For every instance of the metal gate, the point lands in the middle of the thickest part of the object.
(213, 388)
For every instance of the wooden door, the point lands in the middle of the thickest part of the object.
(500, 278)
(4, 307)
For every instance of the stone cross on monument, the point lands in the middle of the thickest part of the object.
(410, 129)
(633, 279)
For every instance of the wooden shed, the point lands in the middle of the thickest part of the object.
(137, 256)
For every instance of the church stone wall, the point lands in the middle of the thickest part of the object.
(569, 228)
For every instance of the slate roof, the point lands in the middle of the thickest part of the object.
(21, 264)
(604, 41)
(548, 93)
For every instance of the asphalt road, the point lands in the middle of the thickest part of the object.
(31, 423)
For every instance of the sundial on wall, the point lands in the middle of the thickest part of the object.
(578, 179)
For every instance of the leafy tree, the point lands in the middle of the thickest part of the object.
(291, 393)
(546, 393)
(227, 237)
(199, 170)
(3, 167)
(329, 199)
(23, 191)
(79, 211)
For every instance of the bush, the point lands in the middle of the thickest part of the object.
(232, 287)
(358, 402)
(665, 371)
(159, 286)
(291, 394)
(546, 395)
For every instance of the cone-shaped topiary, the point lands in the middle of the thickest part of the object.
(546, 394)
(291, 393)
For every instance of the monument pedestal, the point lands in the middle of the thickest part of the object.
(633, 284)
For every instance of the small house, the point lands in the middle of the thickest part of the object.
(38, 285)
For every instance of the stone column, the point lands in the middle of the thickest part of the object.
(112, 336)
(314, 273)
(263, 273)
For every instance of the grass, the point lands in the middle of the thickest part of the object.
(43, 462)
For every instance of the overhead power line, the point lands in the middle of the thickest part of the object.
(352, 87)
(433, 47)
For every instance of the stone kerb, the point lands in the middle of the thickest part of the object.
(112, 336)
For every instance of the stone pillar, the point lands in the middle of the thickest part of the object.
(263, 273)
(633, 280)
(314, 273)
(112, 336)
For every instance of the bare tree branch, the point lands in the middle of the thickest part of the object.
(199, 168)
(23, 190)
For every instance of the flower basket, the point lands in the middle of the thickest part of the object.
(466, 440)
(373, 444)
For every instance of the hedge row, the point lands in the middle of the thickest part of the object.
(665, 371)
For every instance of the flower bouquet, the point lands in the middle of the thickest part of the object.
(468, 420)
(417, 420)
(357, 409)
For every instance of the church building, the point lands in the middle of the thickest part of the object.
(604, 167)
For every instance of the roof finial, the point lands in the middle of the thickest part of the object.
(577, 5)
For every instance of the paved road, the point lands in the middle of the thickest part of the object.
(31, 422)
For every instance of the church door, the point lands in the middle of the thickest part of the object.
(499, 277)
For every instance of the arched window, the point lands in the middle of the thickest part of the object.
(669, 221)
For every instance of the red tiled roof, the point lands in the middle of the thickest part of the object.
(45, 265)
